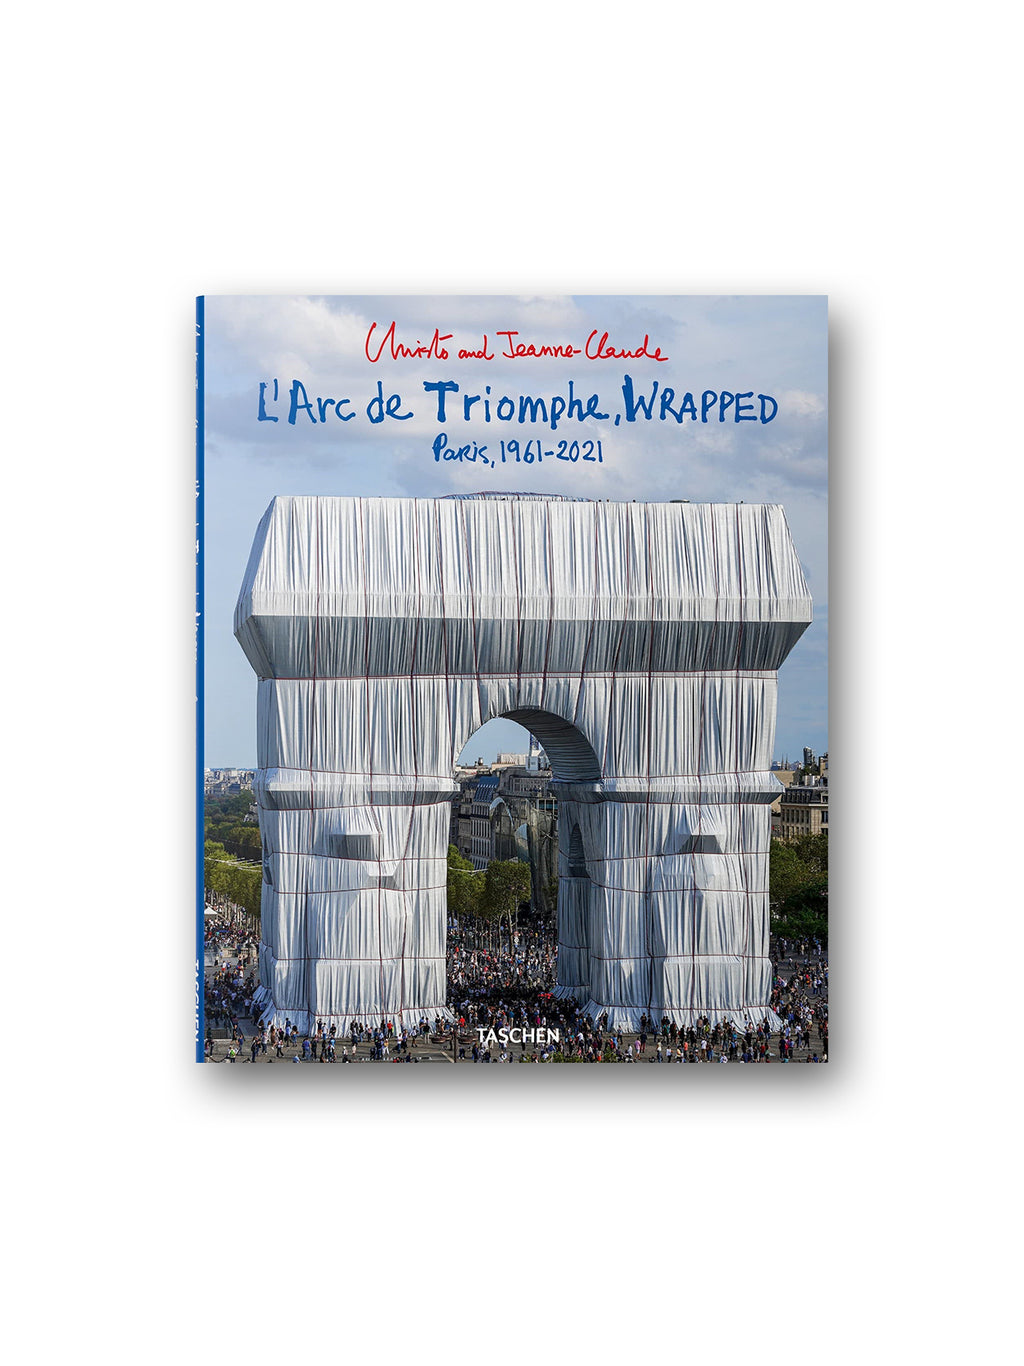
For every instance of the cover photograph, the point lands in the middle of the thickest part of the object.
(512, 680)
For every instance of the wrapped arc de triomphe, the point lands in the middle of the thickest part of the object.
(638, 641)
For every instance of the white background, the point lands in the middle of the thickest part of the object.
(163, 1211)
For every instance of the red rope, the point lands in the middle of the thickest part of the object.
(593, 622)
(700, 762)
(736, 724)
(551, 609)
(311, 1002)
(647, 809)
(415, 748)
(526, 673)
(519, 602)
(364, 560)
(618, 649)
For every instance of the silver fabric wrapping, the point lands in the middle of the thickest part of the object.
(637, 641)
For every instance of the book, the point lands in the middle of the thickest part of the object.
(512, 679)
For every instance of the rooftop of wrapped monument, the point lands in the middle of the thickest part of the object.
(638, 641)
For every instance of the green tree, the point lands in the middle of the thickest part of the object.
(798, 886)
(251, 890)
(213, 856)
(240, 882)
(233, 805)
(506, 887)
(244, 842)
(465, 888)
(813, 849)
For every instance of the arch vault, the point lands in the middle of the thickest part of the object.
(640, 641)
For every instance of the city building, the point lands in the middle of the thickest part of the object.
(802, 809)
(514, 815)
(476, 836)
(222, 782)
(537, 761)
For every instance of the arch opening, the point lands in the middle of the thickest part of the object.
(502, 925)
(571, 756)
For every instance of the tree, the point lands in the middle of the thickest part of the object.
(240, 882)
(244, 842)
(506, 886)
(798, 886)
(231, 806)
(213, 855)
(465, 888)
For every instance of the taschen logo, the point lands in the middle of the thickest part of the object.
(517, 1035)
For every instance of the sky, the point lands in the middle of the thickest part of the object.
(773, 345)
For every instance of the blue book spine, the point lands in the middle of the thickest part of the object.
(200, 822)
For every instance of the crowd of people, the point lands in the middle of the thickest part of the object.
(499, 991)
(526, 959)
(800, 998)
(230, 980)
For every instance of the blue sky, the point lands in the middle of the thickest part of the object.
(774, 345)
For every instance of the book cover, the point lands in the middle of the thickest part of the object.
(512, 680)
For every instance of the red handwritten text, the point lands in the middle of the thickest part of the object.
(434, 351)
(602, 351)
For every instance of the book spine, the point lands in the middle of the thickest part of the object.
(199, 625)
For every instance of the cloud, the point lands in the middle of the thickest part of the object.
(767, 345)
(801, 404)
